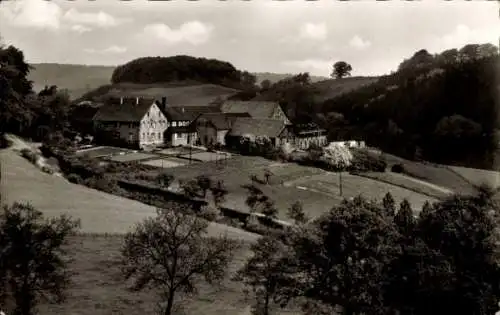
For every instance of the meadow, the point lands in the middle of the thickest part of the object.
(97, 286)
(98, 212)
(353, 185)
(438, 175)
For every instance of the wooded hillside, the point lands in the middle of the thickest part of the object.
(149, 70)
(440, 107)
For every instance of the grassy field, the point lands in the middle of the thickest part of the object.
(331, 88)
(477, 176)
(316, 189)
(98, 288)
(99, 212)
(101, 151)
(406, 182)
(178, 93)
(432, 173)
(353, 185)
(165, 163)
(207, 156)
(133, 157)
(179, 151)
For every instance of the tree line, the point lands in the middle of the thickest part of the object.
(362, 257)
(439, 107)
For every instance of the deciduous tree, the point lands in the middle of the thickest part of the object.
(341, 69)
(297, 214)
(265, 273)
(33, 262)
(171, 252)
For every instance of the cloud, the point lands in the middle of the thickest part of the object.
(313, 31)
(463, 35)
(32, 14)
(193, 32)
(97, 19)
(111, 50)
(80, 28)
(315, 66)
(359, 43)
(48, 15)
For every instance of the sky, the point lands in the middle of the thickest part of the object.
(257, 36)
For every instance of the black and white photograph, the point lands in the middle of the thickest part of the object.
(257, 157)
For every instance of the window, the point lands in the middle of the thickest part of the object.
(159, 135)
(174, 124)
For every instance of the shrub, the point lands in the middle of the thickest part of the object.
(103, 183)
(74, 178)
(398, 168)
(29, 155)
(210, 213)
(47, 169)
(365, 162)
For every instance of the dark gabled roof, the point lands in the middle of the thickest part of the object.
(188, 113)
(221, 121)
(177, 114)
(307, 128)
(128, 111)
(256, 109)
(84, 111)
(181, 129)
(257, 127)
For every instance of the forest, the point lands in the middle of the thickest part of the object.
(149, 70)
(440, 108)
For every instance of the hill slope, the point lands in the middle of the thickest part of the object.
(433, 107)
(80, 79)
(77, 79)
(275, 77)
(180, 93)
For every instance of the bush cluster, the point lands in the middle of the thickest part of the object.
(398, 168)
(29, 155)
(366, 162)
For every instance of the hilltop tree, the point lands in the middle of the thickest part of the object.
(172, 253)
(33, 262)
(341, 69)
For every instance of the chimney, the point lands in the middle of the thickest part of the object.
(182, 109)
(137, 100)
(121, 100)
(164, 103)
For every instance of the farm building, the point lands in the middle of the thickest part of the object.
(256, 109)
(137, 122)
(178, 131)
(275, 130)
(349, 143)
(307, 134)
(213, 127)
